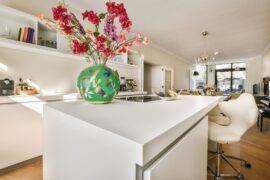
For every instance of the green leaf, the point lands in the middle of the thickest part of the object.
(96, 34)
(102, 15)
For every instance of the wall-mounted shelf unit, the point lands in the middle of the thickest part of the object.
(32, 48)
(14, 19)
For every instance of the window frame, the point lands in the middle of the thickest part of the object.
(231, 70)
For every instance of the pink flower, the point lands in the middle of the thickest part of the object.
(124, 49)
(40, 16)
(92, 17)
(122, 38)
(145, 40)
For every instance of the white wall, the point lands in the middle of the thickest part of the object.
(266, 63)
(254, 72)
(147, 78)
(157, 56)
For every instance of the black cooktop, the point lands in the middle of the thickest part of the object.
(144, 98)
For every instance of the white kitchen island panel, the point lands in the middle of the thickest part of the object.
(125, 140)
(75, 150)
(187, 160)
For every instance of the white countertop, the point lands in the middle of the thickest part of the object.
(139, 122)
(38, 98)
(52, 97)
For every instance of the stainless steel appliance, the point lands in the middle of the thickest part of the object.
(6, 87)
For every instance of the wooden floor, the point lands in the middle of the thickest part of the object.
(30, 172)
(255, 147)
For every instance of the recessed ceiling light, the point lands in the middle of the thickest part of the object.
(216, 53)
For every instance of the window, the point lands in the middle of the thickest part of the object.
(230, 77)
(201, 79)
(223, 66)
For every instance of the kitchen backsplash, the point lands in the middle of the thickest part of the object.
(51, 74)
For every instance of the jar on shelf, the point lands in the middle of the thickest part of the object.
(4, 31)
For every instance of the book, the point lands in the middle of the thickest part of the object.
(32, 35)
(29, 32)
(22, 34)
(25, 34)
(19, 35)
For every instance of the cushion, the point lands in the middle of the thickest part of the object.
(214, 112)
(220, 119)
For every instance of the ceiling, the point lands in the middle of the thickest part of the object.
(237, 28)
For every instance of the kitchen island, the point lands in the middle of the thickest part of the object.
(158, 140)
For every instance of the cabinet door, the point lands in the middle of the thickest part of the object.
(20, 133)
(187, 160)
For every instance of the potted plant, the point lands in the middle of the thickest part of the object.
(107, 38)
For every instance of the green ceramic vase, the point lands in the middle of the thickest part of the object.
(98, 84)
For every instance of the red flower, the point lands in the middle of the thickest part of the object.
(118, 10)
(100, 42)
(58, 12)
(79, 47)
(61, 15)
(115, 9)
(125, 22)
(92, 17)
(65, 19)
(100, 39)
(107, 53)
(68, 30)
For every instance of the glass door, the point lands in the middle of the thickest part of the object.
(230, 77)
(238, 80)
(223, 81)
(168, 80)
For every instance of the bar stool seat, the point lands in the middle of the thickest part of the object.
(243, 113)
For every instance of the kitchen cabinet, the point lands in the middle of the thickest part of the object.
(21, 126)
(157, 140)
(186, 160)
(20, 133)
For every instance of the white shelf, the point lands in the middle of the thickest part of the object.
(33, 48)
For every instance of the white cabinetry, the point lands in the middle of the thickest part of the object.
(187, 160)
(20, 132)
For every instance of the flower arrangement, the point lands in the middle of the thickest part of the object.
(107, 37)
